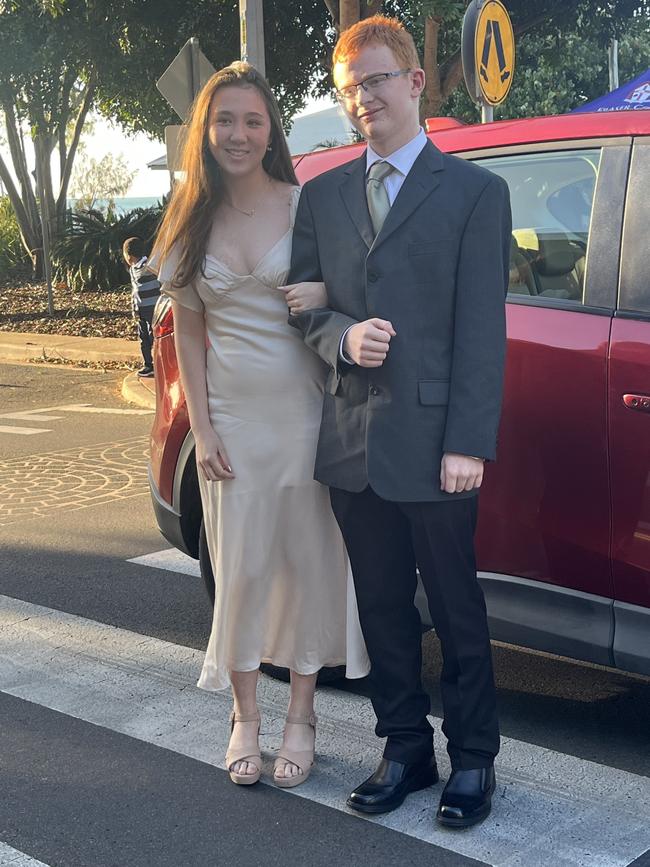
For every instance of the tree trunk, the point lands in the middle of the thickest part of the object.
(61, 203)
(432, 97)
(29, 234)
(348, 14)
(345, 13)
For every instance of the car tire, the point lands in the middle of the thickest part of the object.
(205, 564)
(325, 675)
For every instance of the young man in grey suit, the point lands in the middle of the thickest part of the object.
(413, 247)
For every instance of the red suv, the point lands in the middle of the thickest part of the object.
(564, 528)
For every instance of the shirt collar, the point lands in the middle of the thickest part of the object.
(403, 158)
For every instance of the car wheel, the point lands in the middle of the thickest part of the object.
(205, 564)
(325, 675)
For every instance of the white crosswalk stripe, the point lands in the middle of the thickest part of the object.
(13, 858)
(584, 813)
(45, 414)
(22, 431)
(171, 559)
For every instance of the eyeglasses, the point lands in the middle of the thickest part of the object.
(372, 84)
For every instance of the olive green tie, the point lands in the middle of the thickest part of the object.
(378, 201)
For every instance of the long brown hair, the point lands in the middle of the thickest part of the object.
(188, 218)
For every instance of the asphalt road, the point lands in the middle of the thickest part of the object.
(89, 781)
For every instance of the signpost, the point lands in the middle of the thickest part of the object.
(179, 84)
(488, 52)
(190, 69)
(251, 20)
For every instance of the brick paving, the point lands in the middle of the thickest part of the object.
(39, 485)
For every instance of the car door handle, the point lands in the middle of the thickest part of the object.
(637, 401)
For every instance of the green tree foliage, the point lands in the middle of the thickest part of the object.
(89, 256)
(60, 58)
(539, 30)
(12, 252)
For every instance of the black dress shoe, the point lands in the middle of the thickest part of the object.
(390, 784)
(467, 797)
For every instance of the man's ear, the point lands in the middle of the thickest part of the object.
(418, 80)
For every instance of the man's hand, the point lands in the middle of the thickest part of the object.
(460, 473)
(366, 343)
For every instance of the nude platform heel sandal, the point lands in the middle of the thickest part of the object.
(249, 754)
(303, 759)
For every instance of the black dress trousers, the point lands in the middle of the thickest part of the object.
(385, 542)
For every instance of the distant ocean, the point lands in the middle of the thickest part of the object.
(126, 203)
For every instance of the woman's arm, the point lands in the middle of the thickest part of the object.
(304, 296)
(189, 337)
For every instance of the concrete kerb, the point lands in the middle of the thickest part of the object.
(25, 346)
(140, 391)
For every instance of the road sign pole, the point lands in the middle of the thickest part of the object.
(251, 18)
(487, 113)
(196, 75)
(612, 56)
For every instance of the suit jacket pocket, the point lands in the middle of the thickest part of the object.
(430, 247)
(433, 392)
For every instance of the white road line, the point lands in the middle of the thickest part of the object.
(586, 814)
(40, 414)
(13, 858)
(170, 559)
(103, 410)
(21, 431)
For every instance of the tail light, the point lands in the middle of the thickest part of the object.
(163, 318)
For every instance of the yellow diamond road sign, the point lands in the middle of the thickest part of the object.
(494, 52)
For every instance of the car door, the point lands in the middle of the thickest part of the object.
(629, 427)
(544, 530)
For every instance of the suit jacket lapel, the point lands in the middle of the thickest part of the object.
(418, 185)
(353, 192)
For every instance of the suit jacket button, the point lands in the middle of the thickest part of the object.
(372, 277)
(374, 391)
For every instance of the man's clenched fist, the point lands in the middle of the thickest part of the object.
(367, 342)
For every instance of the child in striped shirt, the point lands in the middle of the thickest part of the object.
(145, 291)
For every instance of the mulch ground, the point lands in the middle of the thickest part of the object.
(23, 307)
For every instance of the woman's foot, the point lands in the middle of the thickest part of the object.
(296, 755)
(243, 759)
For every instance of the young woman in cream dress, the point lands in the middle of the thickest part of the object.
(283, 588)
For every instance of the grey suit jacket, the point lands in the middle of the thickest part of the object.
(438, 270)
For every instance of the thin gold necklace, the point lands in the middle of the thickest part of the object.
(246, 213)
(250, 213)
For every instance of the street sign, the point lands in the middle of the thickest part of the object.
(488, 51)
(184, 77)
(174, 144)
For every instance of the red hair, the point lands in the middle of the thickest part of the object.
(377, 30)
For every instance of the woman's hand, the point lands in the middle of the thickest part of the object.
(304, 296)
(211, 457)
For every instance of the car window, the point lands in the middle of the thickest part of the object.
(552, 197)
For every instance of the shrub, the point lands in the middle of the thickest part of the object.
(13, 255)
(89, 255)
